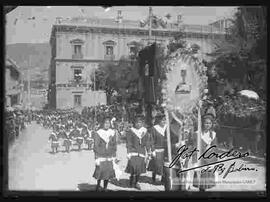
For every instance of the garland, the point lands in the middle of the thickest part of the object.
(200, 69)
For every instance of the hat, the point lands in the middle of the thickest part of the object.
(160, 114)
(209, 116)
(138, 117)
(210, 113)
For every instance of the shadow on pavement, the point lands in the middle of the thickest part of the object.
(85, 149)
(91, 188)
(124, 183)
(50, 152)
(76, 150)
(145, 179)
(87, 187)
(121, 183)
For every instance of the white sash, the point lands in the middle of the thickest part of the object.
(206, 137)
(139, 132)
(106, 134)
(160, 129)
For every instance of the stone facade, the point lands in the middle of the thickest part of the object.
(79, 45)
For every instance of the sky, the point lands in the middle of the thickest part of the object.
(21, 30)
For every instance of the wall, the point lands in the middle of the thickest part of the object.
(65, 72)
(93, 48)
(65, 97)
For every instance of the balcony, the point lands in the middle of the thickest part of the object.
(109, 57)
(77, 56)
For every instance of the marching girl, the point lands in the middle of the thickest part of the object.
(87, 135)
(105, 154)
(53, 139)
(206, 180)
(158, 145)
(138, 143)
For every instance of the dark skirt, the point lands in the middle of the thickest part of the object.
(55, 144)
(136, 165)
(67, 143)
(205, 180)
(104, 171)
(156, 164)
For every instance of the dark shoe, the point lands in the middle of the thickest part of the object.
(202, 190)
(131, 181)
(99, 188)
(137, 186)
(153, 178)
(106, 190)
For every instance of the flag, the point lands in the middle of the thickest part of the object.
(149, 72)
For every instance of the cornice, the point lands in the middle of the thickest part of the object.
(127, 31)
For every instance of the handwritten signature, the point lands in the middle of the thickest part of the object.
(183, 152)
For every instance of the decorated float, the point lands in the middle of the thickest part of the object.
(184, 92)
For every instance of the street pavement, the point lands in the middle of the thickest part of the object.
(32, 166)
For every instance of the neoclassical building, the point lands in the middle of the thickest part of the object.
(79, 45)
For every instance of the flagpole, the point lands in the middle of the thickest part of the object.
(199, 131)
(95, 93)
(150, 23)
(169, 146)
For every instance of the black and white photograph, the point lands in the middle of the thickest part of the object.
(135, 99)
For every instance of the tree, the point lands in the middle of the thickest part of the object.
(242, 59)
(120, 77)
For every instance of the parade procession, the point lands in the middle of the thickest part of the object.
(154, 120)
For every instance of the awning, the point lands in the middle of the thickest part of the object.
(249, 94)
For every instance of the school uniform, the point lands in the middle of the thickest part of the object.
(158, 145)
(205, 180)
(105, 153)
(87, 135)
(138, 141)
(54, 140)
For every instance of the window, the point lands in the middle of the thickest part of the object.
(77, 74)
(77, 49)
(134, 47)
(108, 47)
(77, 100)
(109, 50)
